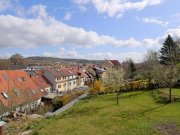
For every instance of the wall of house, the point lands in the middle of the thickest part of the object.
(72, 84)
(82, 81)
(103, 76)
(107, 64)
(50, 78)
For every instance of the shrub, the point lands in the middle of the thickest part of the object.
(79, 93)
(66, 99)
(97, 87)
(137, 85)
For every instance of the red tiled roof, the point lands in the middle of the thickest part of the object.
(41, 82)
(39, 72)
(18, 80)
(115, 62)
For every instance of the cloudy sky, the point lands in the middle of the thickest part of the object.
(89, 29)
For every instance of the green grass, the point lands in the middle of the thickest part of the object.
(137, 114)
(175, 92)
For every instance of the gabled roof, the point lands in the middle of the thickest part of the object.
(19, 88)
(41, 82)
(114, 62)
(55, 72)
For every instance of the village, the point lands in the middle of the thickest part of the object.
(89, 67)
(25, 90)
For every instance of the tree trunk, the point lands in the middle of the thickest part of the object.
(1, 130)
(169, 94)
(117, 98)
(149, 81)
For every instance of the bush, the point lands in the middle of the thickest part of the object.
(97, 88)
(66, 99)
(79, 93)
(137, 85)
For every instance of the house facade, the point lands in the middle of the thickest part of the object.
(18, 91)
(64, 79)
(111, 64)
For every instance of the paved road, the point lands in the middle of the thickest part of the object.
(67, 106)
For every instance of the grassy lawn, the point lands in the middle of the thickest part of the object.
(175, 92)
(137, 113)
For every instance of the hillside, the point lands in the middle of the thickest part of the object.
(49, 60)
(138, 113)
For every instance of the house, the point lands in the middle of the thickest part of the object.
(111, 64)
(18, 91)
(64, 79)
(42, 83)
(94, 72)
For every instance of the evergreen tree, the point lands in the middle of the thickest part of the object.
(169, 52)
(169, 58)
(132, 68)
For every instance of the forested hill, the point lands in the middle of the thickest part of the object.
(40, 59)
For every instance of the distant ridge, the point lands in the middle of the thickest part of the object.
(41, 59)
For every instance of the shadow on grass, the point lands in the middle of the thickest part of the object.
(143, 112)
(132, 94)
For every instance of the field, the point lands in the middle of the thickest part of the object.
(137, 113)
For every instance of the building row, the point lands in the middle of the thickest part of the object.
(24, 89)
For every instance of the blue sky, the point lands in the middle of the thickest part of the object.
(89, 29)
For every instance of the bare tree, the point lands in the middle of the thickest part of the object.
(115, 80)
(149, 66)
(129, 69)
(17, 59)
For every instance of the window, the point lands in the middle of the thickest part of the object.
(5, 95)
(74, 82)
(41, 89)
(21, 79)
(5, 76)
(33, 91)
(29, 93)
(59, 86)
(69, 83)
(17, 92)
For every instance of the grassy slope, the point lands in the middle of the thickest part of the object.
(137, 113)
(174, 91)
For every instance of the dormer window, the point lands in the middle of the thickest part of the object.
(17, 92)
(5, 95)
(5, 77)
(41, 89)
(21, 79)
(33, 91)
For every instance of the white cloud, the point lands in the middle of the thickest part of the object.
(153, 20)
(34, 32)
(82, 8)
(63, 53)
(116, 8)
(38, 11)
(4, 4)
(122, 56)
(28, 33)
(43, 30)
(68, 16)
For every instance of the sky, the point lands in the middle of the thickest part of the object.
(87, 29)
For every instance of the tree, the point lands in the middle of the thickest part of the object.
(97, 87)
(4, 64)
(169, 58)
(17, 59)
(150, 63)
(129, 68)
(115, 80)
